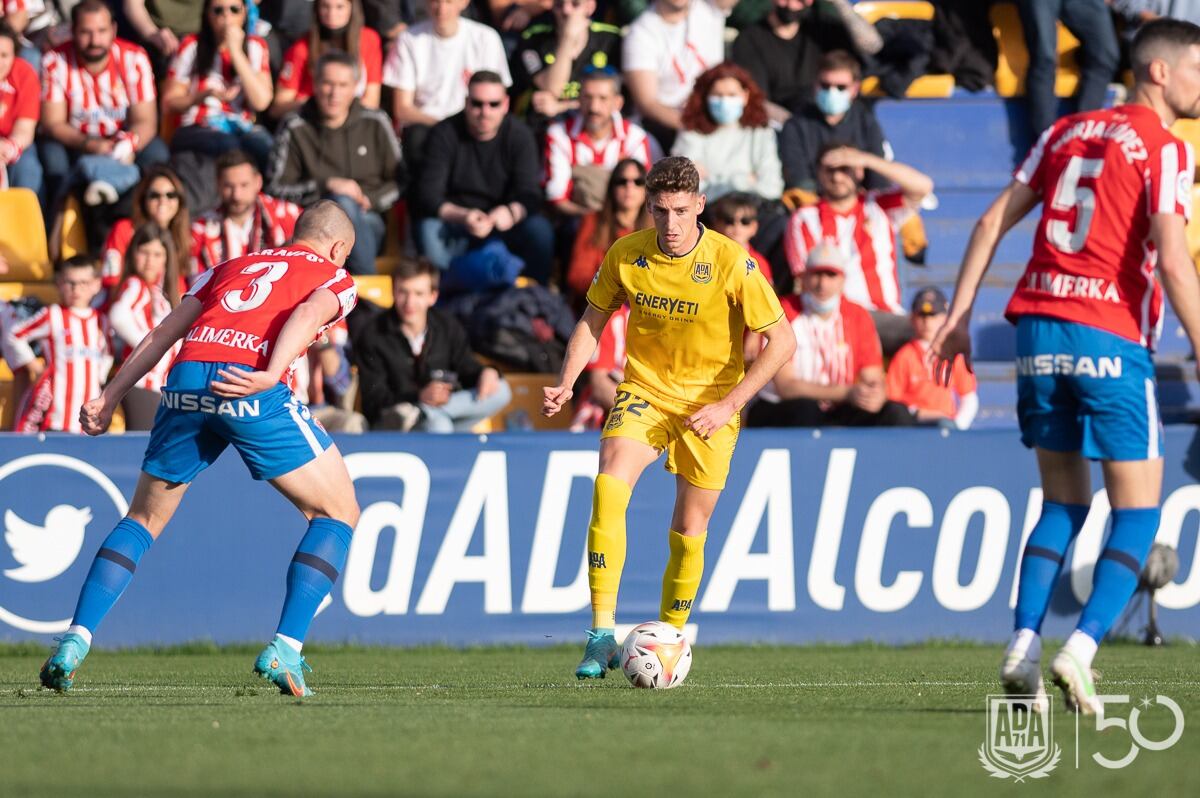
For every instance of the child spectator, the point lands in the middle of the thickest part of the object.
(149, 289)
(910, 381)
(20, 110)
(76, 348)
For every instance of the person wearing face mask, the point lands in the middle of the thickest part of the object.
(782, 51)
(726, 135)
(835, 378)
(836, 112)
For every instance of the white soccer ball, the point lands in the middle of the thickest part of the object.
(656, 656)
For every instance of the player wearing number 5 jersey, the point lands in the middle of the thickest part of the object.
(1115, 187)
(242, 324)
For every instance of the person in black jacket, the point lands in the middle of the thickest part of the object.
(333, 147)
(481, 178)
(415, 366)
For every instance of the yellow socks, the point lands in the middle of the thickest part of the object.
(681, 580)
(606, 548)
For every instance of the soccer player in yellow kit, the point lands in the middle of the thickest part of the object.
(692, 293)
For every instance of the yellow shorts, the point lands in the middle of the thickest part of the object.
(703, 463)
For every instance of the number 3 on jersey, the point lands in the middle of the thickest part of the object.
(260, 287)
(1069, 194)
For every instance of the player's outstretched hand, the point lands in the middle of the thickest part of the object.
(95, 416)
(710, 418)
(553, 399)
(951, 340)
(239, 382)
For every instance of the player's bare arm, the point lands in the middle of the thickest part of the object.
(954, 337)
(96, 415)
(294, 339)
(580, 349)
(781, 345)
(1178, 272)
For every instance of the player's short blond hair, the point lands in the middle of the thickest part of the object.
(673, 175)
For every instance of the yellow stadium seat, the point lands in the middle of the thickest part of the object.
(926, 86)
(1189, 131)
(74, 234)
(23, 236)
(8, 401)
(375, 287)
(527, 396)
(46, 292)
(1193, 228)
(1014, 57)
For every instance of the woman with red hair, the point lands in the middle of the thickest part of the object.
(725, 134)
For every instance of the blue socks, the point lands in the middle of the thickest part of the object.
(319, 559)
(1117, 570)
(1043, 559)
(111, 572)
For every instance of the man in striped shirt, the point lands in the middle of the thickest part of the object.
(99, 111)
(75, 342)
(862, 226)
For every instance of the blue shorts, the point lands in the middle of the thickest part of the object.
(272, 431)
(1081, 389)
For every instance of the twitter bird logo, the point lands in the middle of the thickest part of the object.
(45, 551)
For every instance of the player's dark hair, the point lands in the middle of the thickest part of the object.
(409, 268)
(88, 7)
(338, 57)
(673, 175)
(324, 220)
(146, 234)
(837, 60)
(232, 159)
(77, 262)
(485, 76)
(1160, 38)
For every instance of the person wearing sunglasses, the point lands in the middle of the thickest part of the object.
(835, 112)
(479, 181)
(218, 82)
(624, 211)
(158, 198)
(735, 215)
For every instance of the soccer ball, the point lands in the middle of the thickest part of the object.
(656, 656)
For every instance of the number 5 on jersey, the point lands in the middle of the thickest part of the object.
(1070, 194)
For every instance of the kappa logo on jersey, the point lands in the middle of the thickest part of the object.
(641, 262)
(750, 265)
(702, 273)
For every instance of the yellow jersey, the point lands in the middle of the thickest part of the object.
(687, 314)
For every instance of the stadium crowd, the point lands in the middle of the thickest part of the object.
(488, 154)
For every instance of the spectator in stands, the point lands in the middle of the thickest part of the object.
(623, 212)
(324, 381)
(725, 133)
(337, 25)
(246, 221)
(335, 148)
(479, 179)
(782, 52)
(583, 147)
(149, 289)
(836, 376)
(511, 17)
(557, 52)
(415, 364)
(430, 64)
(735, 215)
(1135, 13)
(909, 377)
(836, 113)
(219, 80)
(667, 47)
(160, 24)
(43, 27)
(75, 345)
(862, 225)
(99, 119)
(15, 15)
(1092, 24)
(390, 18)
(20, 109)
(158, 198)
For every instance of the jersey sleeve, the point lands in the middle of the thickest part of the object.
(27, 101)
(607, 294)
(181, 67)
(139, 76)
(54, 77)
(864, 340)
(897, 376)
(1170, 172)
(202, 288)
(371, 52)
(1031, 171)
(294, 61)
(751, 292)
(345, 289)
(962, 380)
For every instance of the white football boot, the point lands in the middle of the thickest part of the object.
(1023, 676)
(1077, 681)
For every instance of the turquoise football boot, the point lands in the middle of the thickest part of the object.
(601, 655)
(283, 666)
(58, 673)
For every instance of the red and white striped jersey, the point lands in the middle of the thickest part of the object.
(1102, 175)
(98, 104)
(216, 238)
(137, 310)
(78, 358)
(13, 6)
(221, 76)
(246, 301)
(865, 235)
(568, 145)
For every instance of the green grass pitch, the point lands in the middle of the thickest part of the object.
(750, 721)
